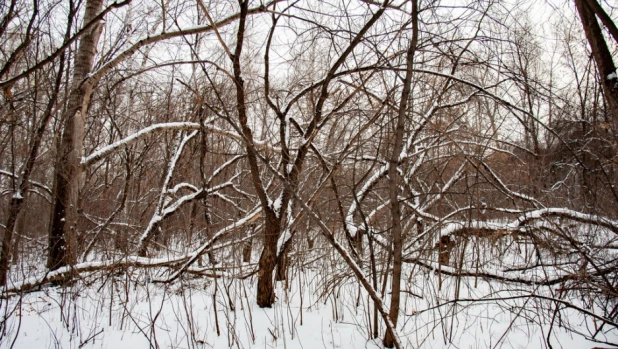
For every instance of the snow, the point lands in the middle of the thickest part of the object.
(99, 154)
(96, 155)
(166, 204)
(571, 214)
(117, 314)
(126, 322)
(449, 227)
(167, 210)
(325, 303)
(180, 186)
(172, 165)
(612, 76)
(276, 205)
(216, 172)
(286, 234)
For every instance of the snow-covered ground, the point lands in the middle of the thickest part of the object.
(320, 308)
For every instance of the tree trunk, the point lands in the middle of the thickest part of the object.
(268, 262)
(358, 242)
(247, 247)
(602, 56)
(246, 251)
(62, 233)
(211, 255)
(445, 246)
(605, 18)
(15, 205)
(19, 227)
(272, 223)
(395, 182)
(282, 264)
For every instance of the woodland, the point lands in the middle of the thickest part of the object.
(308, 173)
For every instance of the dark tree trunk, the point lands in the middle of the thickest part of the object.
(272, 223)
(601, 54)
(247, 247)
(211, 255)
(15, 205)
(19, 227)
(395, 181)
(246, 251)
(282, 264)
(268, 262)
(358, 241)
(605, 18)
(445, 245)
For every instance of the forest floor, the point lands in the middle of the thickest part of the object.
(316, 308)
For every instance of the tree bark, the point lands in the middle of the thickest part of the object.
(62, 233)
(282, 264)
(211, 255)
(601, 54)
(248, 246)
(246, 251)
(395, 181)
(15, 206)
(605, 18)
(268, 261)
(272, 223)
